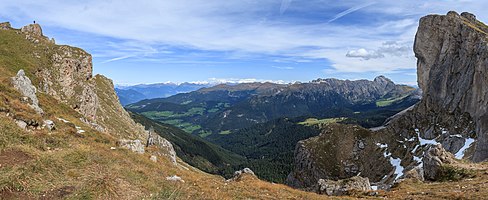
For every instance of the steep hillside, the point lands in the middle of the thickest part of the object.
(452, 56)
(193, 149)
(267, 146)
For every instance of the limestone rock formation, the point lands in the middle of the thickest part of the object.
(339, 152)
(414, 173)
(32, 29)
(68, 80)
(153, 158)
(343, 187)
(133, 145)
(49, 124)
(434, 158)
(238, 175)
(33, 32)
(65, 74)
(21, 124)
(452, 52)
(24, 85)
(165, 147)
(5, 26)
(175, 178)
(452, 57)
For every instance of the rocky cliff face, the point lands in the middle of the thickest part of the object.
(339, 152)
(452, 54)
(65, 73)
(68, 78)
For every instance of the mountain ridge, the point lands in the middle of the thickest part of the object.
(231, 107)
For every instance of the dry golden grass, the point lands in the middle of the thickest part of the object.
(469, 188)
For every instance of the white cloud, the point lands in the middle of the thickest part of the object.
(242, 80)
(390, 48)
(281, 67)
(238, 26)
(364, 54)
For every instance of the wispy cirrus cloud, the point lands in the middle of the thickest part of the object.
(227, 33)
(284, 5)
(283, 67)
(350, 10)
(116, 59)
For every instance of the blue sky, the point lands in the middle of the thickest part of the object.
(144, 41)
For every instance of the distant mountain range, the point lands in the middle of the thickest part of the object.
(226, 108)
(135, 93)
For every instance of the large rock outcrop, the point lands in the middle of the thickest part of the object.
(68, 80)
(32, 29)
(452, 52)
(66, 73)
(24, 85)
(165, 148)
(240, 174)
(434, 158)
(5, 26)
(133, 145)
(343, 187)
(339, 152)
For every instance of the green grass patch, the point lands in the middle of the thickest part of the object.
(133, 106)
(203, 133)
(195, 111)
(314, 121)
(190, 128)
(186, 102)
(158, 114)
(172, 121)
(213, 110)
(389, 101)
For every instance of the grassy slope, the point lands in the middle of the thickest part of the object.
(470, 188)
(193, 149)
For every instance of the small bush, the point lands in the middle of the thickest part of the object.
(451, 173)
